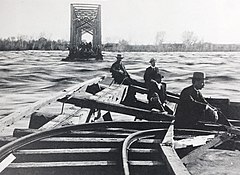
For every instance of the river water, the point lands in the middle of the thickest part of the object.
(28, 76)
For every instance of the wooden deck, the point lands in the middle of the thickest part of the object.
(88, 128)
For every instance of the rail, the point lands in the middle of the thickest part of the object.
(18, 143)
(135, 137)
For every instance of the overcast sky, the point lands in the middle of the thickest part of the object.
(137, 21)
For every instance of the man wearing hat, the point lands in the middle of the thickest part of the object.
(192, 105)
(119, 73)
(151, 72)
(157, 90)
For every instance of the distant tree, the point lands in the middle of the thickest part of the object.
(159, 39)
(123, 45)
(189, 38)
(41, 43)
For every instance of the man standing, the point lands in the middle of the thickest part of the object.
(193, 105)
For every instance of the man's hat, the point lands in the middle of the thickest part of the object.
(198, 75)
(119, 56)
(152, 60)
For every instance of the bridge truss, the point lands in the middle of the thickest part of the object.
(85, 18)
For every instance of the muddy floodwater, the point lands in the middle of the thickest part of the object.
(28, 76)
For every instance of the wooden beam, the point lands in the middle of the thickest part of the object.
(23, 132)
(60, 164)
(195, 141)
(233, 130)
(111, 94)
(169, 155)
(59, 120)
(115, 132)
(5, 162)
(80, 163)
(170, 96)
(139, 113)
(91, 140)
(173, 162)
(65, 151)
(168, 139)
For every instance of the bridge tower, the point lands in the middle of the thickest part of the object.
(85, 18)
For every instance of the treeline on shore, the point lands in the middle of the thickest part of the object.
(169, 47)
(42, 43)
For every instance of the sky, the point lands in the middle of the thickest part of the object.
(136, 21)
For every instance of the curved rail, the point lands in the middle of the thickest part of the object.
(150, 133)
(144, 130)
(25, 140)
(131, 139)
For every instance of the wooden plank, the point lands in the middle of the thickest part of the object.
(234, 122)
(169, 155)
(170, 96)
(115, 95)
(24, 112)
(139, 113)
(111, 94)
(100, 133)
(80, 150)
(67, 154)
(5, 162)
(62, 142)
(173, 162)
(8, 130)
(96, 140)
(142, 150)
(233, 130)
(61, 164)
(60, 120)
(193, 141)
(5, 140)
(65, 151)
(145, 163)
(83, 139)
(18, 132)
(201, 150)
(168, 139)
(79, 163)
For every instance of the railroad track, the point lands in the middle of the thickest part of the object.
(94, 148)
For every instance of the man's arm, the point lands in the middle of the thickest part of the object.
(124, 70)
(146, 76)
(188, 98)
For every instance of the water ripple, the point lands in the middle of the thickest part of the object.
(26, 76)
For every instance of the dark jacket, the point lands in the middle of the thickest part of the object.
(119, 72)
(150, 74)
(190, 109)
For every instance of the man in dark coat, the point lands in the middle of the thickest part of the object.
(151, 72)
(119, 73)
(157, 90)
(193, 105)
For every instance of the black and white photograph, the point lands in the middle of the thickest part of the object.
(119, 87)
